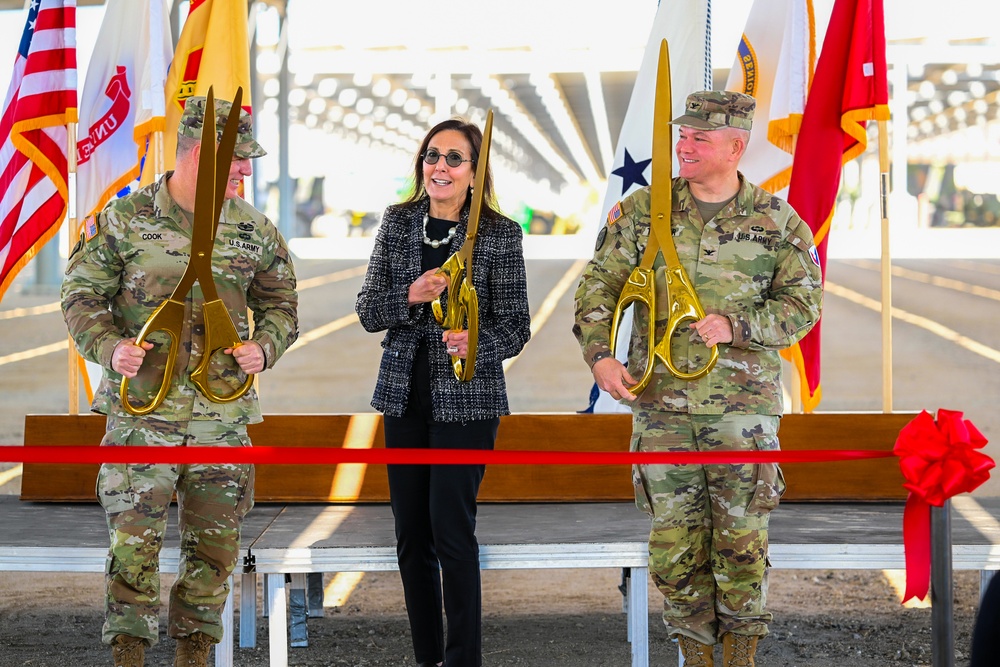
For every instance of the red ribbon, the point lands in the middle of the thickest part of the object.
(939, 459)
(332, 455)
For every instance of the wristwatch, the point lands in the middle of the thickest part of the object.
(603, 354)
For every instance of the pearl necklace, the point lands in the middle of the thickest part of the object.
(441, 242)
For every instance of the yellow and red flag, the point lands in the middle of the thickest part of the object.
(848, 90)
(213, 50)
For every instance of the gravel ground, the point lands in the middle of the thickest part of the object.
(543, 618)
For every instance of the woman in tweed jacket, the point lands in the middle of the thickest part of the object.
(424, 405)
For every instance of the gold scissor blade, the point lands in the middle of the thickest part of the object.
(661, 182)
(682, 299)
(203, 235)
(210, 192)
(478, 192)
(224, 154)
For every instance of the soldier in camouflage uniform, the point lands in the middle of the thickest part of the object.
(753, 263)
(127, 262)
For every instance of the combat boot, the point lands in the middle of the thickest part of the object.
(695, 653)
(192, 651)
(128, 651)
(738, 650)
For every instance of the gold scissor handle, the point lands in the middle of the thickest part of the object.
(169, 318)
(454, 270)
(463, 306)
(220, 333)
(684, 306)
(468, 310)
(640, 288)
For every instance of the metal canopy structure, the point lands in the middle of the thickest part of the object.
(559, 98)
(552, 129)
(952, 101)
(559, 113)
(559, 76)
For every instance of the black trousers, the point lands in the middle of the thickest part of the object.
(434, 507)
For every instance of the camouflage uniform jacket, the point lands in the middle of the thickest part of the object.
(120, 271)
(499, 277)
(755, 263)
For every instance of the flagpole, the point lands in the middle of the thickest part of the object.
(883, 161)
(73, 366)
(795, 391)
(797, 407)
(157, 148)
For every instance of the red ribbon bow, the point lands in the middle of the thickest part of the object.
(939, 459)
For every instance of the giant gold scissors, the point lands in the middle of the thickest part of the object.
(463, 304)
(682, 299)
(220, 332)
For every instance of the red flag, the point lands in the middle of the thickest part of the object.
(40, 102)
(848, 89)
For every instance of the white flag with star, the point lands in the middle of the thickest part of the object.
(685, 26)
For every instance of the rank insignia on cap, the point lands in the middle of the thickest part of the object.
(90, 227)
(615, 214)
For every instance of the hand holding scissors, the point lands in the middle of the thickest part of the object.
(456, 343)
(127, 357)
(612, 376)
(249, 356)
(427, 287)
(714, 329)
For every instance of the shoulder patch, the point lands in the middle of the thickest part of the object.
(601, 236)
(90, 227)
(615, 214)
(814, 255)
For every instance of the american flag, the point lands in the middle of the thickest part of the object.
(40, 102)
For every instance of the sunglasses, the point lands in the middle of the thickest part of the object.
(452, 158)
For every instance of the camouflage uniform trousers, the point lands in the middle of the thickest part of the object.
(212, 502)
(708, 539)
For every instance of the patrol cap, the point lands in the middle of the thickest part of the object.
(194, 117)
(715, 109)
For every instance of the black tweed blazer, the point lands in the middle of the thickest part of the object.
(504, 322)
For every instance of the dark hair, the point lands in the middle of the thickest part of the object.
(475, 138)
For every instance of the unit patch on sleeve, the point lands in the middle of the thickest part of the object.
(814, 255)
(601, 235)
(90, 227)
